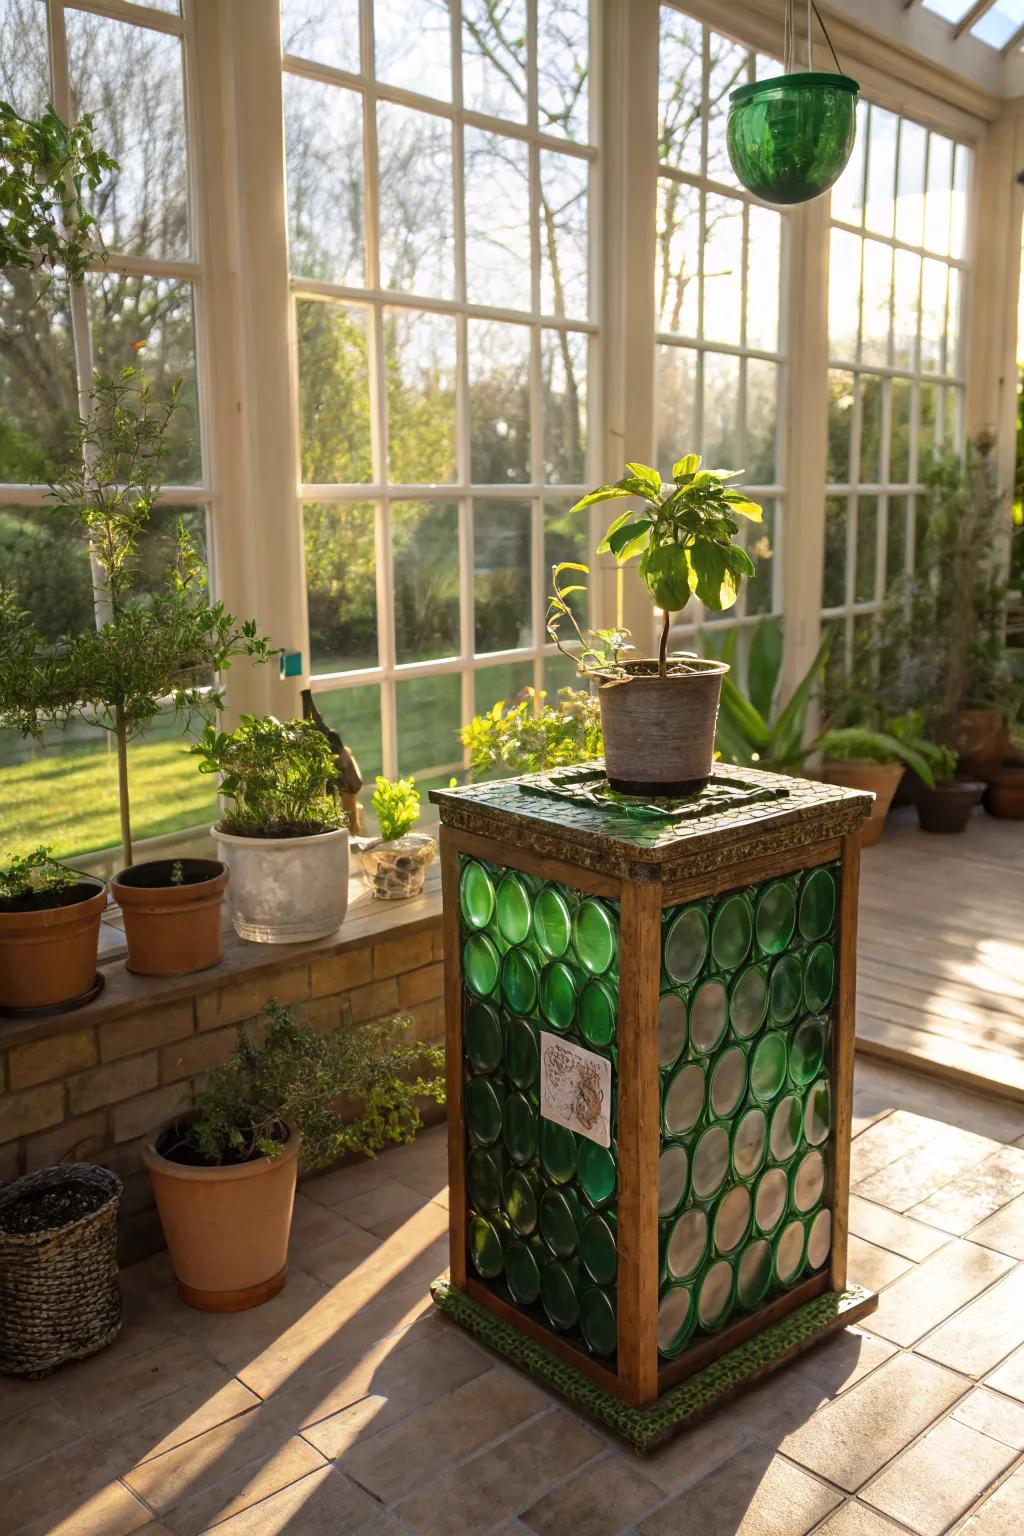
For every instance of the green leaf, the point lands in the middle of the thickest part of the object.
(665, 570)
(713, 573)
(619, 522)
(856, 744)
(630, 541)
(790, 726)
(683, 468)
(648, 478)
(732, 742)
(603, 493)
(744, 716)
(744, 507)
(764, 665)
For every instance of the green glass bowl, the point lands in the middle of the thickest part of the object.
(790, 137)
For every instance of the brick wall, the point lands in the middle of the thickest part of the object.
(94, 1091)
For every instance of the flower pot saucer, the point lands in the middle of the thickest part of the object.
(69, 1004)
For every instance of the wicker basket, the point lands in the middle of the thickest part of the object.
(59, 1296)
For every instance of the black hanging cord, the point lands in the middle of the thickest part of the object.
(828, 40)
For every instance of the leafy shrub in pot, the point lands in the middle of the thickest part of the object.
(528, 734)
(395, 863)
(284, 836)
(50, 919)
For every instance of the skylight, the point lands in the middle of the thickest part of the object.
(996, 23)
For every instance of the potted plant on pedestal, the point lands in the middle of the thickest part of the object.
(395, 863)
(284, 837)
(658, 713)
(224, 1177)
(49, 935)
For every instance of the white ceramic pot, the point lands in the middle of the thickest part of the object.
(285, 889)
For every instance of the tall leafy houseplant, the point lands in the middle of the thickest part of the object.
(166, 645)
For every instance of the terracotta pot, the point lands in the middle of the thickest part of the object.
(227, 1228)
(980, 738)
(659, 732)
(48, 954)
(172, 929)
(1004, 794)
(879, 779)
(947, 807)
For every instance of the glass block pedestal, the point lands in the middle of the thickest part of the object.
(650, 1054)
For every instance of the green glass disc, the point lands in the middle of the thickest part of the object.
(480, 964)
(687, 1244)
(557, 1151)
(767, 1067)
(749, 1140)
(519, 1128)
(476, 895)
(684, 1100)
(483, 1110)
(522, 1273)
(731, 931)
(481, 1037)
(519, 980)
(558, 1297)
(483, 1171)
(558, 995)
(776, 917)
(596, 1012)
(513, 907)
(806, 1050)
(819, 1238)
(732, 1219)
(789, 1252)
(710, 1162)
(677, 1318)
(817, 904)
(673, 1176)
(809, 1181)
(597, 1321)
(753, 1273)
(522, 1053)
(714, 1299)
(520, 1201)
(770, 1200)
(728, 1081)
(748, 1001)
(818, 1112)
(595, 1170)
(785, 989)
(598, 1252)
(552, 922)
(686, 945)
(819, 978)
(671, 1029)
(709, 1013)
(560, 1221)
(485, 1248)
(787, 1126)
(594, 936)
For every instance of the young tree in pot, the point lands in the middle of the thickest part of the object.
(395, 863)
(284, 838)
(49, 934)
(224, 1177)
(658, 714)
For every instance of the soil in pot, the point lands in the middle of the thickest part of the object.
(51, 1209)
(172, 914)
(1004, 792)
(946, 807)
(659, 732)
(49, 941)
(880, 779)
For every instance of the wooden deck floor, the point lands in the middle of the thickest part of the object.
(940, 981)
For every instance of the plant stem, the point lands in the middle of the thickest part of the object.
(121, 737)
(666, 619)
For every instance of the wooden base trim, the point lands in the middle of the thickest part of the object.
(789, 861)
(693, 1360)
(550, 1340)
(514, 856)
(233, 1301)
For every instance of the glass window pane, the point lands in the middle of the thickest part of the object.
(934, 300)
(762, 421)
(416, 239)
(870, 429)
(563, 370)
(848, 193)
(130, 78)
(723, 270)
(727, 69)
(939, 201)
(324, 30)
(425, 560)
(494, 57)
(502, 544)
(760, 543)
(840, 422)
(764, 229)
(429, 714)
(677, 274)
(953, 433)
(499, 402)
(961, 183)
(844, 280)
(341, 564)
(953, 361)
(901, 400)
(906, 303)
(927, 420)
(563, 68)
(334, 393)
(720, 446)
(877, 299)
(681, 90)
(895, 540)
(148, 323)
(497, 190)
(504, 684)
(412, 44)
(38, 401)
(675, 404)
(867, 549)
(355, 714)
(565, 538)
(45, 563)
(420, 362)
(559, 673)
(910, 188)
(564, 244)
(881, 171)
(324, 148)
(24, 57)
(833, 593)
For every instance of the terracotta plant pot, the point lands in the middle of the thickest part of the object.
(947, 807)
(172, 929)
(1004, 793)
(48, 952)
(879, 779)
(980, 739)
(227, 1228)
(659, 732)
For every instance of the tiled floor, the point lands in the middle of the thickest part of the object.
(346, 1404)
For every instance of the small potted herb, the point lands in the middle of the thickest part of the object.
(658, 713)
(172, 911)
(947, 803)
(395, 863)
(284, 837)
(859, 757)
(49, 934)
(224, 1176)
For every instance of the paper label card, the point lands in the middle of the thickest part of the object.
(575, 1088)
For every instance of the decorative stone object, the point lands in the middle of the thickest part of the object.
(397, 869)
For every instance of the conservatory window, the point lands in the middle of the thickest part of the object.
(440, 248)
(897, 275)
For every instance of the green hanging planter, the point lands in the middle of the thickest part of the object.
(790, 137)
